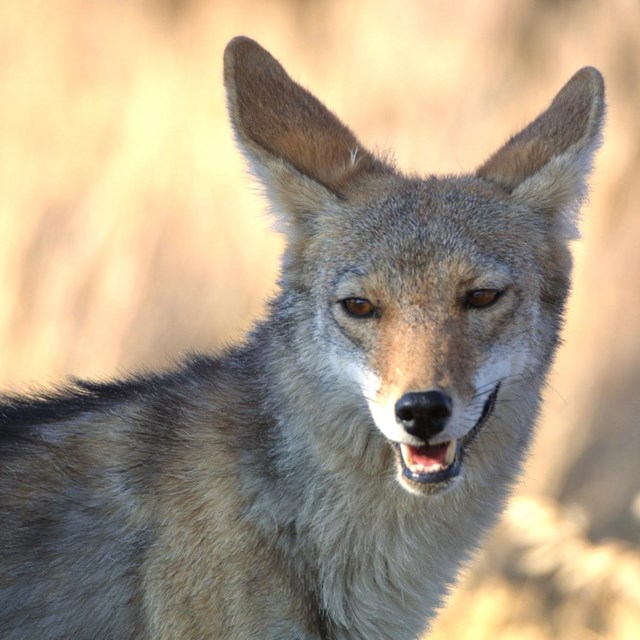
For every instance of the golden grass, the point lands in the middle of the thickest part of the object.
(541, 578)
(129, 232)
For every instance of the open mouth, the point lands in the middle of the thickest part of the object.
(434, 463)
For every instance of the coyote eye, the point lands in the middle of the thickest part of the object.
(481, 298)
(358, 307)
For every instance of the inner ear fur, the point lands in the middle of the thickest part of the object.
(547, 163)
(275, 119)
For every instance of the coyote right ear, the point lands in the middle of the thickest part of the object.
(546, 165)
(296, 146)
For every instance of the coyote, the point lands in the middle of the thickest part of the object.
(327, 477)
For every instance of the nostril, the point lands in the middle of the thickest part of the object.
(437, 403)
(406, 407)
(404, 414)
(440, 410)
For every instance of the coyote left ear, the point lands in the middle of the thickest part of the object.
(547, 164)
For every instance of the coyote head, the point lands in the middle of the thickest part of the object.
(437, 300)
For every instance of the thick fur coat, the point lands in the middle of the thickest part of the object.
(327, 477)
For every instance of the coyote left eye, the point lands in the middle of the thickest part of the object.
(358, 307)
(481, 298)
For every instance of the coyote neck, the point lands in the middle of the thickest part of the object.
(370, 548)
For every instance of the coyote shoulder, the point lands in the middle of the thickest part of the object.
(325, 478)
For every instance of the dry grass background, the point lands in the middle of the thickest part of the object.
(129, 232)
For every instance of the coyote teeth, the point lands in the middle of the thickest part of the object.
(429, 458)
(451, 452)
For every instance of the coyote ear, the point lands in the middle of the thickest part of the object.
(547, 164)
(296, 146)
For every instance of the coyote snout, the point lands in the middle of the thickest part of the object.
(430, 455)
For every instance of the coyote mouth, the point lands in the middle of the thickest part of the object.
(436, 463)
(431, 463)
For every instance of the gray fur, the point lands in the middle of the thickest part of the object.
(257, 493)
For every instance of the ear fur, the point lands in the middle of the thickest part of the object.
(301, 151)
(547, 164)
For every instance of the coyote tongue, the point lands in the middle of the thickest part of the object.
(429, 455)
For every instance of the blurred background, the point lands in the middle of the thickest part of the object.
(130, 232)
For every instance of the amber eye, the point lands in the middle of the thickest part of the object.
(481, 298)
(358, 307)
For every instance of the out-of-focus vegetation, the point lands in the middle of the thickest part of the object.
(129, 231)
(540, 578)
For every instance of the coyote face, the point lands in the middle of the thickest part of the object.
(433, 296)
(430, 314)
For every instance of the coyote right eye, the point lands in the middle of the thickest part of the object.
(358, 307)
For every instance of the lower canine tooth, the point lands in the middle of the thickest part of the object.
(451, 452)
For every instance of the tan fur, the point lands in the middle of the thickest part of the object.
(263, 492)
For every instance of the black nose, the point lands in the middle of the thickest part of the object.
(424, 415)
